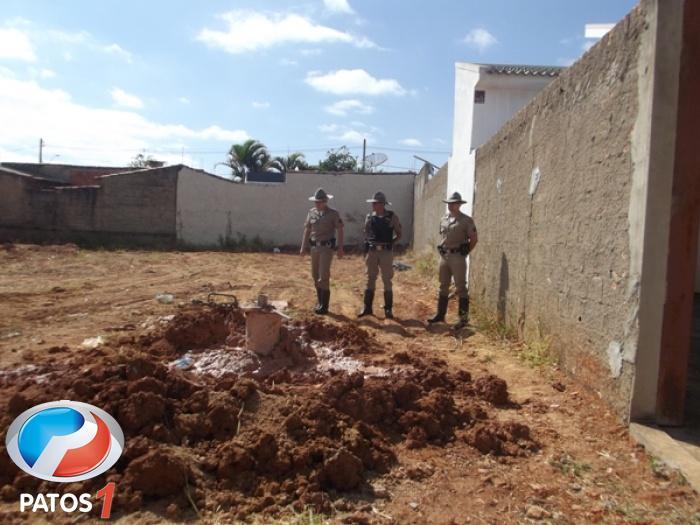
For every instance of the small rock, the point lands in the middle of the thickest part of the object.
(380, 492)
(92, 342)
(165, 298)
(413, 505)
(558, 386)
(536, 512)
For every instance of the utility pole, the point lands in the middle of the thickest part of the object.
(41, 147)
(364, 151)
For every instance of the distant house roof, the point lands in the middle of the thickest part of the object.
(522, 70)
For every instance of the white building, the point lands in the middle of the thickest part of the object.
(486, 97)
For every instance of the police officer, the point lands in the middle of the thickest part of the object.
(320, 227)
(382, 229)
(458, 237)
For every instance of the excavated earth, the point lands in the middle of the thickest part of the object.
(211, 427)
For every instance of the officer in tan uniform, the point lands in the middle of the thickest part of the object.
(458, 237)
(382, 229)
(320, 227)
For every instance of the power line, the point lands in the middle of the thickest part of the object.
(179, 149)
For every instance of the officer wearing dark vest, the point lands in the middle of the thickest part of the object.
(457, 239)
(382, 229)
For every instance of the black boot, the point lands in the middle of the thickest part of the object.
(388, 304)
(369, 299)
(463, 313)
(325, 299)
(317, 306)
(441, 310)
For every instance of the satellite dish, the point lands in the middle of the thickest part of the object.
(375, 159)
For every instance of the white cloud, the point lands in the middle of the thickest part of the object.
(411, 142)
(343, 107)
(116, 49)
(127, 100)
(311, 52)
(349, 134)
(352, 137)
(260, 105)
(338, 6)
(288, 62)
(78, 37)
(69, 40)
(353, 81)
(15, 45)
(481, 39)
(47, 73)
(83, 134)
(252, 30)
(184, 100)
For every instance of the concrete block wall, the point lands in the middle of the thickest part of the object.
(134, 208)
(554, 257)
(210, 208)
(428, 195)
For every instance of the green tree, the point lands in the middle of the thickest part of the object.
(293, 161)
(338, 160)
(141, 161)
(251, 156)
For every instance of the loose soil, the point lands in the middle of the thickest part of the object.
(377, 421)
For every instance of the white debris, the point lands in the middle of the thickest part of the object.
(165, 298)
(92, 342)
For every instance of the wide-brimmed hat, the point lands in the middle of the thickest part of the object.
(320, 196)
(455, 197)
(379, 197)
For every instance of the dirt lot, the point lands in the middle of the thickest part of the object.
(378, 421)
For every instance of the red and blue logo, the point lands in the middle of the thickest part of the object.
(64, 441)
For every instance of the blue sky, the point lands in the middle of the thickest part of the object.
(182, 80)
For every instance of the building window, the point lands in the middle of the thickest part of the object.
(479, 96)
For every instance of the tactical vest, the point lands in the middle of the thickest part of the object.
(381, 230)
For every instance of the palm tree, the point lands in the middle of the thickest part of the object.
(253, 156)
(293, 161)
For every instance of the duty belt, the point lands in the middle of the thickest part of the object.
(382, 246)
(330, 242)
(444, 250)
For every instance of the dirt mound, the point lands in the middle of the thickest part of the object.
(247, 443)
(501, 439)
(196, 327)
(351, 338)
(492, 389)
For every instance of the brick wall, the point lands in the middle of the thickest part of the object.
(428, 194)
(134, 208)
(211, 208)
(553, 260)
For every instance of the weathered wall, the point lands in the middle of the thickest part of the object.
(557, 263)
(66, 173)
(428, 208)
(210, 208)
(136, 208)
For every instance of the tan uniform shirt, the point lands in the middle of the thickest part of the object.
(395, 223)
(321, 226)
(456, 230)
